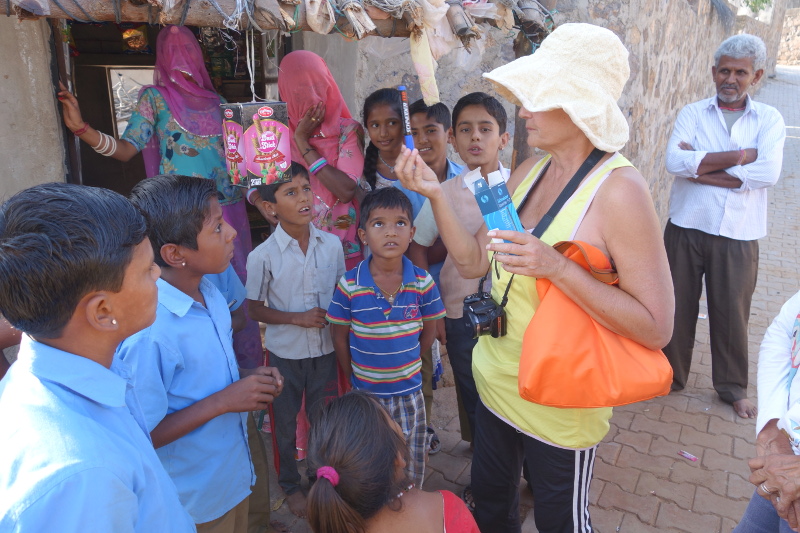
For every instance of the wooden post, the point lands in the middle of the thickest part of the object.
(200, 14)
(523, 47)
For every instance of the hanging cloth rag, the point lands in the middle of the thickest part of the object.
(320, 15)
(40, 8)
(425, 66)
(357, 16)
(273, 14)
(400, 8)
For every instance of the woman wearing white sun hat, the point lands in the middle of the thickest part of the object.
(568, 92)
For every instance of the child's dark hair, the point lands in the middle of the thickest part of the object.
(491, 104)
(437, 112)
(388, 198)
(390, 97)
(268, 192)
(354, 436)
(59, 242)
(175, 207)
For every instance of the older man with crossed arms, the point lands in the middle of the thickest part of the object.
(725, 153)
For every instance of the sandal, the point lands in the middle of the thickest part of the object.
(466, 496)
(436, 444)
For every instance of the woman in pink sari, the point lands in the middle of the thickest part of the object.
(323, 129)
(177, 125)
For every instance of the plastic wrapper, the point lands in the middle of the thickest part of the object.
(494, 201)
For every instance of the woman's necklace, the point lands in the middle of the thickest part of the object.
(390, 167)
(390, 295)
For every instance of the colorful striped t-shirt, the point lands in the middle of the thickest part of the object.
(384, 338)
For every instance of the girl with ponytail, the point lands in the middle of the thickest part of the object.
(360, 455)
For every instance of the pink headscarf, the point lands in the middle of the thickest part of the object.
(305, 80)
(195, 105)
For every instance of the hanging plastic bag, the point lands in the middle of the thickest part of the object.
(469, 60)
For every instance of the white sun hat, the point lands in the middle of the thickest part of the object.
(580, 68)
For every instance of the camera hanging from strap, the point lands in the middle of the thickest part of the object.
(547, 219)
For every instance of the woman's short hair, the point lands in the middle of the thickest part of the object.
(741, 46)
(354, 435)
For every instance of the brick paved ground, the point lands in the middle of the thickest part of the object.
(640, 483)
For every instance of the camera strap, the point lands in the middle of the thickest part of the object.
(549, 217)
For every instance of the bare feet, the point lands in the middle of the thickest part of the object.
(745, 408)
(297, 503)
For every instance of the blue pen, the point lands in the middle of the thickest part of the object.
(406, 118)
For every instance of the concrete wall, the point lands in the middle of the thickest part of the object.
(789, 51)
(671, 45)
(31, 148)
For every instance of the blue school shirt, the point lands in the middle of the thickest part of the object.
(185, 356)
(384, 338)
(453, 170)
(231, 287)
(77, 456)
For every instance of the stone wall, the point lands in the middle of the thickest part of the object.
(671, 45)
(789, 51)
(31, 146)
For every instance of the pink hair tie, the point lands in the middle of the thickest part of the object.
(328, 473)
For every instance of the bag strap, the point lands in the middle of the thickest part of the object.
(551, 214)
(566, 193)
(608, 276)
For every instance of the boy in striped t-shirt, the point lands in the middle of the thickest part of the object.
(383, 315)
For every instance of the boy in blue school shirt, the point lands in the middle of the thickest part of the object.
(232, 289)
(77, 276)
(186, 375)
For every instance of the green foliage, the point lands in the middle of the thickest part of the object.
(757, 5)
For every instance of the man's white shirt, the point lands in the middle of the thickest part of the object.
(740, 213)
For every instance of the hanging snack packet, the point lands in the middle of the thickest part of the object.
(257, 143)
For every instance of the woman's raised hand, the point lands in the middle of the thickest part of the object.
(414, 174)
(311, 120)
(72, 112)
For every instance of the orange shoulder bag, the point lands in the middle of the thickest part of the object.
(569, 360)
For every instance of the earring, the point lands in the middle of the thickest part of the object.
(114, 321)
(183, 264)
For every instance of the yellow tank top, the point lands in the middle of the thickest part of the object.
(495, 362)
